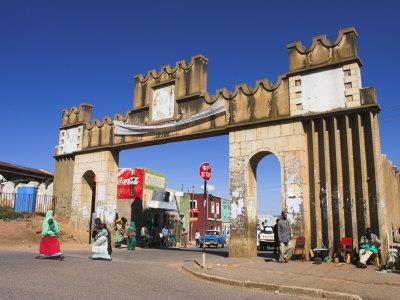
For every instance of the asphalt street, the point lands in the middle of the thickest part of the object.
(147, 273)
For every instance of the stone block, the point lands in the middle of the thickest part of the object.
(274, 130)
(351, 91)
(250, 135)
(295, 88)
(287, 129)
(261, 133)
(351, 78)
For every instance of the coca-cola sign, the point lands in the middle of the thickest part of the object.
(130, 183)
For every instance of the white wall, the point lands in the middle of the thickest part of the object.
(323, 90)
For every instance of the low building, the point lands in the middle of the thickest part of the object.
(226, 215)
(196, 214)
(26, 189)
(142, 198)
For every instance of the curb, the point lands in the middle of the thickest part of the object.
(275, 288)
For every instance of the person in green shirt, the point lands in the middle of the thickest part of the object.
(49, 245)
(131, 236)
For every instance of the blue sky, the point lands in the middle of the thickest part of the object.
(57, 54)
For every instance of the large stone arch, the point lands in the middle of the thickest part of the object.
(247, 147)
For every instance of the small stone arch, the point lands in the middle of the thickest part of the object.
(88, 197)
(252, 165)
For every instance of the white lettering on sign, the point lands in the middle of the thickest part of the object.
(205, 174)
(128, 181)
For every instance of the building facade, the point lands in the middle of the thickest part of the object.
(197, 212)
(226, 215)
(26, 189)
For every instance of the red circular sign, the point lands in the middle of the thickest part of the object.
(205, 171)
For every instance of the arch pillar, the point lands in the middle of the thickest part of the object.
(246, 148)
(104, 166)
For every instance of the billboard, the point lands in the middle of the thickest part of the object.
(130, 183)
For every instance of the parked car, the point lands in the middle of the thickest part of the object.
(266, 238)
(212, 238)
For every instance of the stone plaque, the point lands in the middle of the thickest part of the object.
(323, 90)
(70, 140)
(163, 103)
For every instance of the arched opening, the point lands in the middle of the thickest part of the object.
(265, 185)
(88, 195)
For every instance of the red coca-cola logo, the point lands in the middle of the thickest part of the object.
(130, 183)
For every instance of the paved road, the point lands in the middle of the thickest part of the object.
(147, 273)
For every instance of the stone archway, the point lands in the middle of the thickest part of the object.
(247, 147)
(317, 118)
(254, 180)
(88, 196)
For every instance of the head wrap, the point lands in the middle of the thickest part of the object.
(48, 229)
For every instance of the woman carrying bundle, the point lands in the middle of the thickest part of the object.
(49, 245)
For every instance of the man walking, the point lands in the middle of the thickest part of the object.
(276, 238)
(284, 236)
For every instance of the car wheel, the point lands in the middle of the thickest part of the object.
(216, 246)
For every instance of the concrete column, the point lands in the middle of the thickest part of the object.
(328, 187)
(243, 231)
(339, 177)
(317, 189)
(364, 176)
(380, 184)
(352, 192)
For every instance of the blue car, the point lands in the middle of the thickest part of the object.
(212, 238)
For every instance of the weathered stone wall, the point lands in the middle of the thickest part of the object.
(342, 177)
(63, 179)
(247, 147)
(391, 179)
(104, 165)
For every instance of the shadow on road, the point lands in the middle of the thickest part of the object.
(218, 252)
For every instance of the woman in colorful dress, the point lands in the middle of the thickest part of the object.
(131, 236)
(100, 245)
(49, 245)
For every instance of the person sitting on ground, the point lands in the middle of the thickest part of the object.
(369, 245)
(119, 233)
(49, 245)
(284, 236)
(144, 232)
(109, 246)
(100, 245)
(131, 239)
(393, 257)
(96, 228)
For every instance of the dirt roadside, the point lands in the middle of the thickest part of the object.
(21, 234)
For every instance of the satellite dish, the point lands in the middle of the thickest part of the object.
(209, 187)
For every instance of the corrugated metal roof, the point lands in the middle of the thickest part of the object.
(17, 170)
